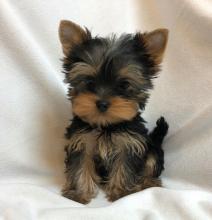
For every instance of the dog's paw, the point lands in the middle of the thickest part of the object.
(71, 194)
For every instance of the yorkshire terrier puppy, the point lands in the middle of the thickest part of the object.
(109, 80)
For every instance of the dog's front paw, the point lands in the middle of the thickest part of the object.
(77, 197)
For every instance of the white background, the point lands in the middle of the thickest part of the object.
(34, 111)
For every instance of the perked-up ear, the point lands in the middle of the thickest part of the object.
(156, 43)
(71, 34)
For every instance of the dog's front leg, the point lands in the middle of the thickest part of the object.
(127, 166)
(81, 178)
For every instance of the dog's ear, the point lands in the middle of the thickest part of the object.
(155, 43)
(71, 34)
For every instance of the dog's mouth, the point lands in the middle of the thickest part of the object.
(103, 112)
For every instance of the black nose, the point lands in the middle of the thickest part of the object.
(102, 105)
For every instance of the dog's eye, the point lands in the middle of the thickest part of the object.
(89, 83)
(124, 85)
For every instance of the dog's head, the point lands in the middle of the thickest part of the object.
(110, 77)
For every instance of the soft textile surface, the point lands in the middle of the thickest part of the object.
(34, 110)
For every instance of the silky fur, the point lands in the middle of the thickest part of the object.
(112, 150)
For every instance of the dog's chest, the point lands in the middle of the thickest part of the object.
(98, 142)
(105, 143)
(90, 141)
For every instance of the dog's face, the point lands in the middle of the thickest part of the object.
(109, 77)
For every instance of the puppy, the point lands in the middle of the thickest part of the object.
(109, 81)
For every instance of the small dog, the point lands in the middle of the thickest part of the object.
(109, 79)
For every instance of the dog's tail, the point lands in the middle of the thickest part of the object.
(156, 138)
(159, 132)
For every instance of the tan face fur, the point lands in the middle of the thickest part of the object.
(84, 106)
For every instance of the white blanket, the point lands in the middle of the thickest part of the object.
(34, 110)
